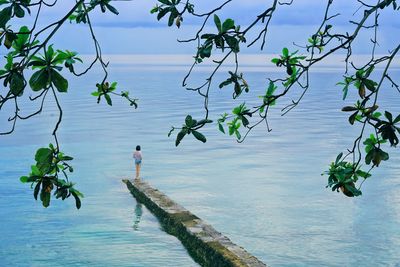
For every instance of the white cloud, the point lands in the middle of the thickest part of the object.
(136, 31)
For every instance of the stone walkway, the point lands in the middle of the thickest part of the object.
(207, 246)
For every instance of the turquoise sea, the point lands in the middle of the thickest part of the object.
(266, 194)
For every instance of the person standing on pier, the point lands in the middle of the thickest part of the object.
(137, 155)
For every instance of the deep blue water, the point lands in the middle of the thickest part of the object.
(266, 194)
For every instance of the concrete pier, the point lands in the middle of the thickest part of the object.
(207, 246)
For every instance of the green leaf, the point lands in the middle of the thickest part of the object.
(221, 128)
(5, 16)
(199, 136)
(21, 38)
(18, 11)
(24, 179)
(44, 159)
(217, 22)
(10, 37)
(363, 174)
(231, 129)
(228, 24)
(275, 60)
(370, 84)
(17, 84)
(349, 108)
(338, 158)
(237, 110)
(180, 136)
(35, 170)
(112, 9)
(50, 52)
(39, 80)
(154, 10)
(66, 158)
(59, 81)
(205, 50)
(78, 202)
(162, 13)
(383, 155)
(271, 89)
(36, 190)
(44, 155)
(233, 43)
(172, 17)
(238, 136)
(376, 155)
(203, 121)
(45, 198)
(189, 121)
(245, 121)
(108, 99)
(285, 52)
(388, 115)
(352, 117)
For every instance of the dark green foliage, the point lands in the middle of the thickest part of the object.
(80, 14)
(241, 115)
(343, 175)
(26, 51)
(190, 127)
(23, 50)
(105, 90)
(374, 152)
(242, 112)
(268, 99)
(13, 77)
(221, 121)
(104, 6)
(228, 36)
(360, 81)
(69, 58)
(50, 163)
(239, 83)
(170, 9)
(361, 113)
(290, 61)
(388, 128)
(14, 8)
(49, 66)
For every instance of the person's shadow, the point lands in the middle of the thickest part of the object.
(138, 216)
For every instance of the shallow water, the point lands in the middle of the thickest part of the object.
(266, 194)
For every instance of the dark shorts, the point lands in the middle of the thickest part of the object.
(138, 161)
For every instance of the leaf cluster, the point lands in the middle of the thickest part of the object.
(15, 8)
(288, 60)
(104, 89)
(81, 12)
(190, 127)
(360, 81)
(49, 66)
(44, 176)
(228, 36)
(239, 84)
(343, 175)
(171, 7)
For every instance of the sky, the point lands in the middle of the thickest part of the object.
(136, 31)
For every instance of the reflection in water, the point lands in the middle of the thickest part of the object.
(138, 215)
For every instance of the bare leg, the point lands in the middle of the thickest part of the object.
(137, 170)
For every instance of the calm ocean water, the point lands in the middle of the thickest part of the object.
(266, 194)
